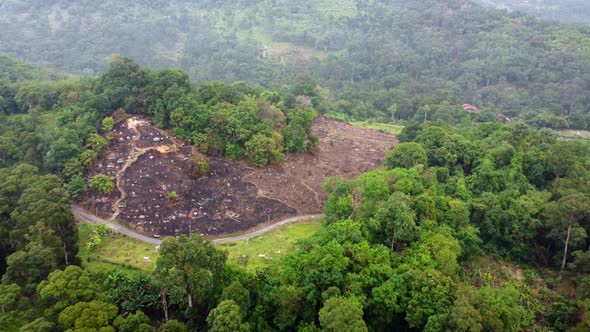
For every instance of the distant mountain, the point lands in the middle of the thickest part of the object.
(425, 57)
(568, 11)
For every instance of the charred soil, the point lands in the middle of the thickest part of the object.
(148, 165)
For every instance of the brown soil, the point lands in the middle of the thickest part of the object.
(292, 51)
(345, 151)
(148, 164)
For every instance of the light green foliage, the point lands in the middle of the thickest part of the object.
(226, 317)
(199, 166)
(65, 288)
(102, 184)
(262, 150)
(172, 326)
(87, 158)
(389, 128)
(429, 294)
(97, 234)
(505, 303)
(89, 315)
(340, 203)
(299, 129)
(134, 322)
(96, 142)
(173, 195)
(38, 325)
(405, 155)
(342, 314)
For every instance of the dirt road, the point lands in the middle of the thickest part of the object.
(85, 216)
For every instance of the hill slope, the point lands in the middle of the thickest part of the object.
(561, 10)
(427, 57)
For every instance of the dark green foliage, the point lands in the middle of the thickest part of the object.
(440, 61)
(237, 293)
(77, 187)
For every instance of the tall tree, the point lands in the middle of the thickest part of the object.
(199, 264)
(564, 218)
(342, 314)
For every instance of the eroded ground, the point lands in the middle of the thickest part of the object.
(148, 164)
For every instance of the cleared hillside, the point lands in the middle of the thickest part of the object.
(148, 164)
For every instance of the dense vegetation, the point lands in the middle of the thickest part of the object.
(429, 242)
(573, 11)
(472, 224)
(52, 130)
(382, 59)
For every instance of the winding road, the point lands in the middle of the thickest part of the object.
(87, 217)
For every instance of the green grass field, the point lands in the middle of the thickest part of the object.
(118, 251)
(574, 134)
(272, 246)
(389, 128)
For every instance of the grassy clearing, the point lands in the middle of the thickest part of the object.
(117, 251)
(272, 245)
(388, 128)
(574, 134)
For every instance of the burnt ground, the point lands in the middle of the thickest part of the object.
(148, 164)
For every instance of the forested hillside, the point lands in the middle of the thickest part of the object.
(572, 11)
(380, 59)
(478, 227)
(478, 220)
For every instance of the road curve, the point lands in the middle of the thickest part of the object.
(82, 214)
(269, 228)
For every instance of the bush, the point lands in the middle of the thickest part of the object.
(406, 155)
(262, 150)
(102, 184)
(108, 123)
(199, 166)
(77, 187)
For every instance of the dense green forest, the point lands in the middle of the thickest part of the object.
(381, 59)
(572, 11)
(429, 242)
(473, 222)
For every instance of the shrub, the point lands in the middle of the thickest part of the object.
(102, 184)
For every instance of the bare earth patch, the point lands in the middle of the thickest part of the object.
(148, 164)
(292, 51)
